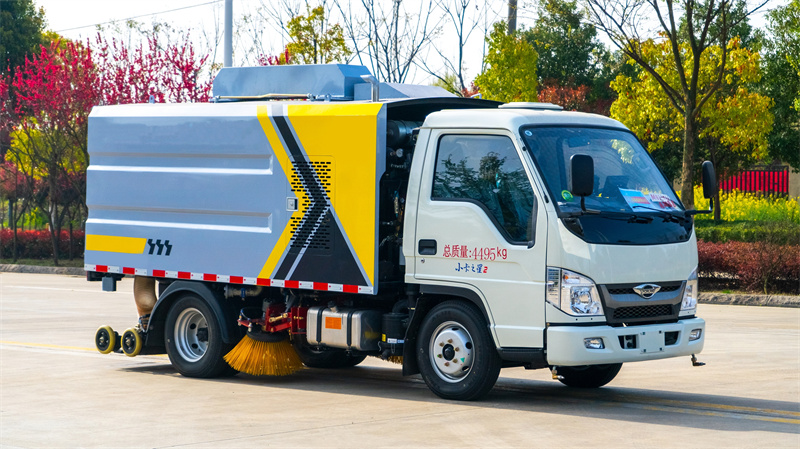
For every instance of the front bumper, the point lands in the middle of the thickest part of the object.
(565, 344)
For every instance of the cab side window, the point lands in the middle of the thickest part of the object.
(487, 171)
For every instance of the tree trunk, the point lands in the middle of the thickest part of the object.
(689, 145)
(71, 256)
(12, 216)
(717, 161)
(54, 231)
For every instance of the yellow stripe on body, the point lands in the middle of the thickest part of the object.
(348, 134)
(286, 165)
(115, 244)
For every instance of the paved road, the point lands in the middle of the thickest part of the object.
(57, 391)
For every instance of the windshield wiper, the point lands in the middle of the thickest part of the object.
(632, 218)
(667, 215)
(611, 215)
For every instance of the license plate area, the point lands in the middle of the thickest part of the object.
(651, 342)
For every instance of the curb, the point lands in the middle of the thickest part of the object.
(750, 300)
(705, 298)
(36, 269)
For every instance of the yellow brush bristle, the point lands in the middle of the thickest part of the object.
(398, 359)
(261, 358)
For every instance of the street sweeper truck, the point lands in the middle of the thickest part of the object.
(312, 216)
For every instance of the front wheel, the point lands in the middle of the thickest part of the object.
(455, 352)
(194, 339)
(589, 376)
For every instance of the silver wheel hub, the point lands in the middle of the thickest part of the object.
(191, 334)
(451, 351)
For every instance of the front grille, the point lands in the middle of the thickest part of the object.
(639, 312)
(628, 291)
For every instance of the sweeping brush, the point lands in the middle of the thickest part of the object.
(398, 359)
(264, 354)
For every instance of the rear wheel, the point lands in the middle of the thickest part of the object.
(194, 339)
(328, 358)
(455, 351)
(589, 376)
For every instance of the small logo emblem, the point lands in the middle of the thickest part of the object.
(647, 291)
(160, 246)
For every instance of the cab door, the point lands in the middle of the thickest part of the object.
(481, 227)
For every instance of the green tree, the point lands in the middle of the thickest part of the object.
(21, 27)
(732, 128)
(568, 49)
(785, 26)
(314, 41)
(510, 73)
(779, 79)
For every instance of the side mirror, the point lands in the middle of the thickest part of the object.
(581, 179)
(709, 180)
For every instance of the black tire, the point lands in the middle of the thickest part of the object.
(451, 329)
(193, 339)
(328, 358)
(589, 376)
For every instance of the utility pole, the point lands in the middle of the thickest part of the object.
(227, 45)
(512, 16)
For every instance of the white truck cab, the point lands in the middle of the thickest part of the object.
(492, 214)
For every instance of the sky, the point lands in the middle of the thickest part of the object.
(77, 19)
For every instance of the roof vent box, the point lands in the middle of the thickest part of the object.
(336, 80)
(532, 105)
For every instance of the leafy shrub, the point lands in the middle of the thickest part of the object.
(784, 233)
(738, 206)
(37, 244)
(755, 266)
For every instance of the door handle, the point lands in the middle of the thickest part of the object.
(427, 247)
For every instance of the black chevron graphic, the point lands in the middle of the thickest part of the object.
(341, 267)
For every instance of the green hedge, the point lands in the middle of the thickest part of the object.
(779, 233)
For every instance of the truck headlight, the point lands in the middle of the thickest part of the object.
(573, 293)
(690, 293)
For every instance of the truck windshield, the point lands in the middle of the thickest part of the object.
(625, 177)
(632, 203)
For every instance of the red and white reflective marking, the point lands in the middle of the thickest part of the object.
(244, 280)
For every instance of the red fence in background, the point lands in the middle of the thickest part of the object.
(772, 180)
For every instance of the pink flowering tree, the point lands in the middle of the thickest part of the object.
(47, 104)
(132, 75)
(53, 93)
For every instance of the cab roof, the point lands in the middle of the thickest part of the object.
(513, 118)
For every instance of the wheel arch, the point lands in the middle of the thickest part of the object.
(225, 312)
(430, 296)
